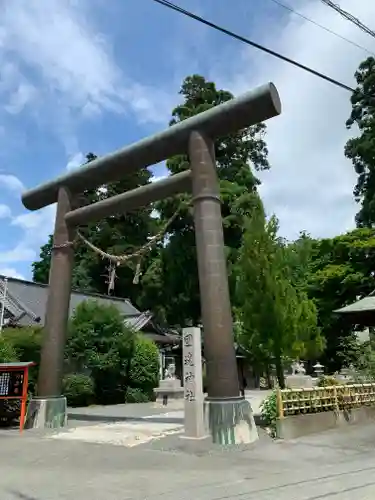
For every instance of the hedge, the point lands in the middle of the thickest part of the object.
(144, 367)
(78, 389)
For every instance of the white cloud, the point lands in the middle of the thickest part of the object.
(10, 272)
(310, 183)
(12, 183)
(19, 253)
(58, 68)
(75, 161)
(70, 62)
(5, 211)
(20, 97)
(35, 227)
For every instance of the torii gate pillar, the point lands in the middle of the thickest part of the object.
(229, 415)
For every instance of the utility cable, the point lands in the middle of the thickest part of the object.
(349, 17)
(258, 46)
(328, 30)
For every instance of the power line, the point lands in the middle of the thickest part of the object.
(328, 30)
(258, 46)
(349, 17)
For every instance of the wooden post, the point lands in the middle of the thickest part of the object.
(279, 402)
(24, 397)
(336, 401)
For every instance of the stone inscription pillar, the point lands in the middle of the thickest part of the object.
(193, 383)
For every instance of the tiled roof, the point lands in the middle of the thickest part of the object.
(367, 304)
(27, 301)
(32, 298)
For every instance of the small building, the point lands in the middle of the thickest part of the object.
(25, 305)
(361, 313)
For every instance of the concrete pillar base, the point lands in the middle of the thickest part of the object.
(47, 413)
(230, 421)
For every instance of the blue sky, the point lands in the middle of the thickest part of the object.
(89, 75)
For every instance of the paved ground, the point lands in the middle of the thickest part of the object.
(334, 465)
(127, 412)
(142, 456)
(132, 424)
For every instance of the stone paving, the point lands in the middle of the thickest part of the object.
(335, 465)
(141, 456)
(132, 425)
(129, 434)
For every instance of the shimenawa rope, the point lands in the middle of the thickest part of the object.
(118, 260)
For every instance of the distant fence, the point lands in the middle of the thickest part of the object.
(321, 399)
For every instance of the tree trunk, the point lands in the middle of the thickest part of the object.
(268, 377)
(280, 372)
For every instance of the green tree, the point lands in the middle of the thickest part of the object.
(8, 353)
(278, 320)
(100, 343)
(118, 234)
(177, 268)
(361, 150)
(144, 367)
(300, 256)
(123, 365)
(334, 272)
(81, 272)
(79, 389)
(27, 342)
(341, 271)
(40, 268)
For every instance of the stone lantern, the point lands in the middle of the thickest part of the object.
(318, 369)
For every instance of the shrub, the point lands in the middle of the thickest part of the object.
(136, 395)
(99, 342)
(8, 353)
(27, 342)
(269, 412)
(144, 366)
(78, 389)
(9, 410)
(327, 381)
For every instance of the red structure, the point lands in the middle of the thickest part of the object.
(14, 381)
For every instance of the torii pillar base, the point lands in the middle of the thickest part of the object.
(46, 413)
(230, 421)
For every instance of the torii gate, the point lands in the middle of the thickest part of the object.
(194, 136)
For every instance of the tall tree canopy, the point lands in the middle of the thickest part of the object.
(278, 320)
(341, 271)
(361, 149)
(334, 272)
(176, 269)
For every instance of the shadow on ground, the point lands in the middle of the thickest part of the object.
(22, 496)
(118, 418)
(102, 418)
